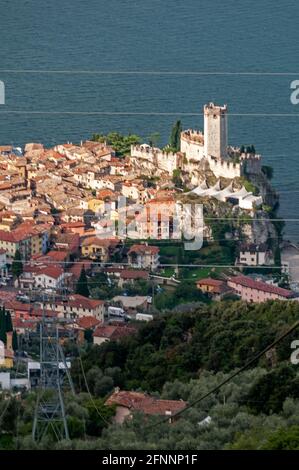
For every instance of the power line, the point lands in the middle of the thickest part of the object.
(140, 113)
(119, 264)
(88, 391)
(9, 400)
(148, 72)
(224, 382)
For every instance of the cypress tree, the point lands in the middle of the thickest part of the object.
(8, 322)
(175, 136)
(2, 325)
(82, 284)
(17, 265)
(14, 340)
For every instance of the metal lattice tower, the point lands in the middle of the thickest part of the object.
(49, 416)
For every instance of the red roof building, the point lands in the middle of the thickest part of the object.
(112, 333)
(128, 402)
(257, 291)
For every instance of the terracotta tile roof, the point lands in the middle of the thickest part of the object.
(76, 268)
(210, 282)
(114, 332)
(87, 322)
(7, 296)
(219, 287)
(149, 405)
(15, 305)
(105, 331)
(104, 242)
(57, 255)
(51, 271)
(79, 301)
(133, 274)
(27, 324)
(103, 193)
(144, 249)
(39, 312)
(73, 225)
(15, 236)
(5, 148)
(262, 286)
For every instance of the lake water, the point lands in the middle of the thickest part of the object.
(154, 36)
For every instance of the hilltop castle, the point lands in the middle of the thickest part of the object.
(210, 147)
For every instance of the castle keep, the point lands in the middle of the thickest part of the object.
(210, 146)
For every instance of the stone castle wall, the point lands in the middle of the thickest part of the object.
(192, 145)
(165, 161)
(225, 168)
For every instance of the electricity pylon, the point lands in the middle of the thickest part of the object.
(49, 416)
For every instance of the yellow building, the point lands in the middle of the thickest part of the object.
(6, 353)
(29, 240)
(98, 249)
(96, 205)
(15, 240)
(36, 244)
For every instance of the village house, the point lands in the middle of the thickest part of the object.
(144, 257)
(77, 227)
(213, 287)
(132, 304)
(104, 333)
(252, 254)
(130, 276)
(78, 306)
(47, 276)
(157, 220)
(16, 240)
(88, 322)
(99, 249)
(258, 291)
(29, 239)
(129, 402)
(68, 242)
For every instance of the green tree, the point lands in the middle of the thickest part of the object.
(120, 143)
(2, 325)
(8, 322)
(176, 178)
(14, 340)
(270, 391)
(268, 171)
(283, 439)
(17, 265)
(82, 284)
(175, 136)
(100, 416)
(153, 139)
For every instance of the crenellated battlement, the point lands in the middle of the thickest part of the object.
(193, 135)
(163, 160)
(225, 168)
(250, 156)
(146, 150)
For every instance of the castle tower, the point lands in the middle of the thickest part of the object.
(215, 131)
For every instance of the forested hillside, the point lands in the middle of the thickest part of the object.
(184, 356)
